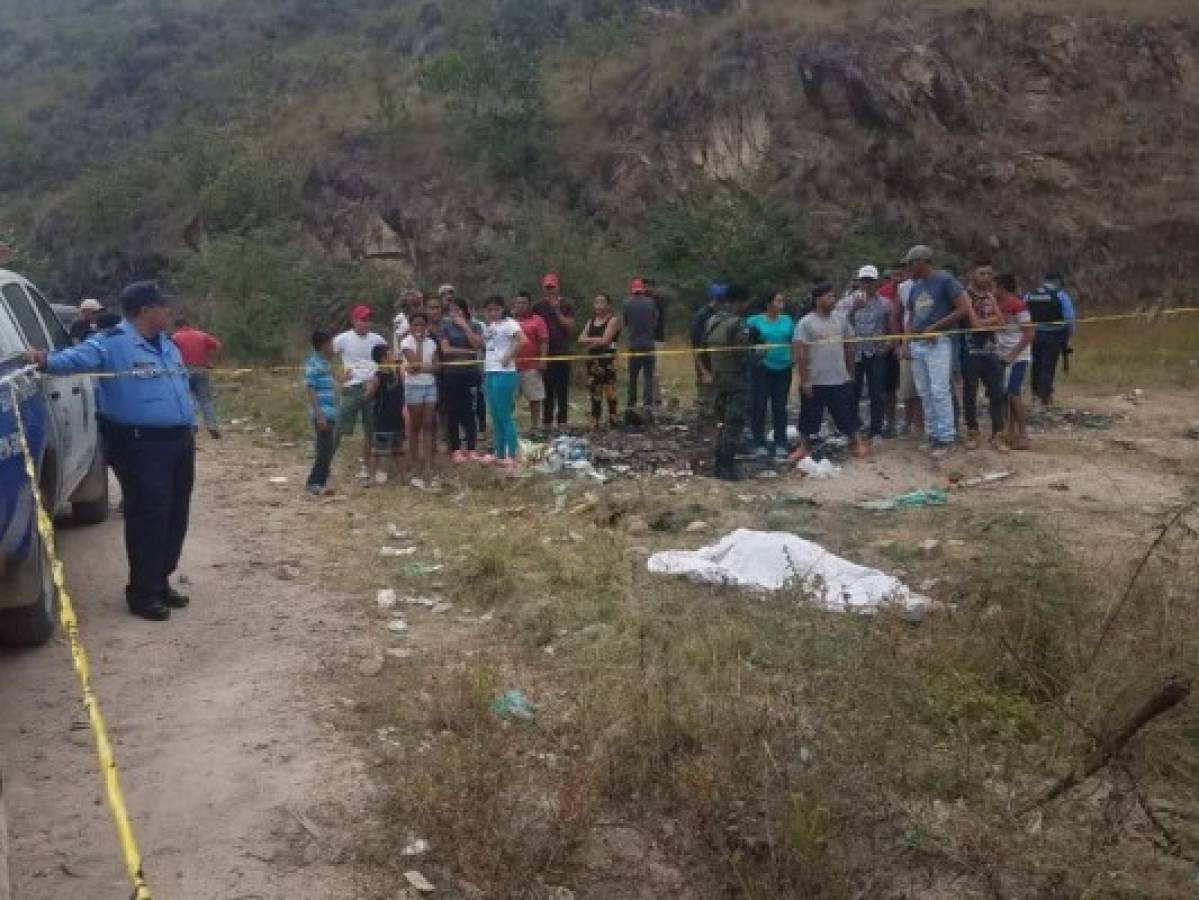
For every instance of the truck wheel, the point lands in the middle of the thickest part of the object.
(30, 625)
(95, 508)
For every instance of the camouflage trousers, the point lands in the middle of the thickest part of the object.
(731, 399)
(705, 401)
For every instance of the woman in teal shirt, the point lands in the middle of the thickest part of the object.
(772, 377)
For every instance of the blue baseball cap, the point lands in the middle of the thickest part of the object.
(137, 295)
(717, 291)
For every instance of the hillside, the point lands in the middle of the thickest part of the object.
(256, 155)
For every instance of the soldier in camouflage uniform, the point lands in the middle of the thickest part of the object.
(725, 332)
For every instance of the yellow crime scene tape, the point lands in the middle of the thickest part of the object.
(238, 371)
(70, 625)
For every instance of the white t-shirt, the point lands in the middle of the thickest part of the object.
(355, 353)
(1014, 315)
(425, 356)
(501, 339)
(905, 293)
(399, 329)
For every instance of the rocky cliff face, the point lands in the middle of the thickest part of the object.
(1045, 141)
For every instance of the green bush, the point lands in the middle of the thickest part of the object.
(262, 291)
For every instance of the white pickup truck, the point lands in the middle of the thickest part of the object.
(61, 428)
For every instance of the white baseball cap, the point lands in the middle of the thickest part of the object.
(868, 272)
(446, 289)
(91, 305)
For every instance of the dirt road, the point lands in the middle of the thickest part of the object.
(235, 788)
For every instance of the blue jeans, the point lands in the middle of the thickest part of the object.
(932, 370)
(325, 446)
(500, 388)
(200, 382)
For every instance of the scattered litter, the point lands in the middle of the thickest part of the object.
(398, 652)
(1067, 419)
(929, 547)
(929, 583)
(287, 572)
(393, 552)
(486, 617)
(419, 483)
(697, 527)
(988, 478)
(817, 471)
(514, 706)
(396, 533)
(278, 479)
(421, 570)
(371, 666)
(443, 607)
(773, 560)
(427, 602)
(911, 500)
(415, 847)
(1058, 486)
(419, 882)
(397, 626)
(389, 735)
(386, 599)
(794, 500)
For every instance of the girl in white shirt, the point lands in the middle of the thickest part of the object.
(420, 386)
(503, 339)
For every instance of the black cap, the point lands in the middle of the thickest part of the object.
(735, 293)
(137, 295)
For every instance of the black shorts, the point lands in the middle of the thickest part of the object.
(387, 442)
(838, 400)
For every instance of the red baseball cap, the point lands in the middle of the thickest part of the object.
(636, 286)
(549, 280)
(361, 313)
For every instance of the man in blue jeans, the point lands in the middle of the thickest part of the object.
(937, 303)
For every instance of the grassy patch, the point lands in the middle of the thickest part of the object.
(797, 752)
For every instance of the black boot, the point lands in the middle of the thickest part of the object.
(151, 608)
(175, 600)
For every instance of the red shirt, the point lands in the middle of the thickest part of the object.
(537, 333)
(196, 347)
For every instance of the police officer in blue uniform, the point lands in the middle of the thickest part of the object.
(148, 425)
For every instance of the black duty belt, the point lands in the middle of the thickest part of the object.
(116, 431)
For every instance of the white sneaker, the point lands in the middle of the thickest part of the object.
(380, 478)
(363, 474)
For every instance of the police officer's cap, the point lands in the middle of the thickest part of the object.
(139, 294)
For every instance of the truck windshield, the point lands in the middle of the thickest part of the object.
(27, 320)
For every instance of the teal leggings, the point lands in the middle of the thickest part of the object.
(500, 388)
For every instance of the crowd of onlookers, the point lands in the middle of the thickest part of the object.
(914, 343)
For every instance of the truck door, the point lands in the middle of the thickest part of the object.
(69, 399)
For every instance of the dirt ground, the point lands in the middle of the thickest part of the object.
(230, 721)
(230, 776)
